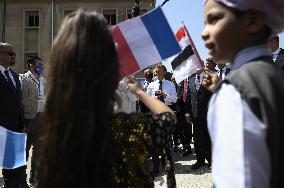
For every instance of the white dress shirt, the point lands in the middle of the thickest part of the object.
(222, 72)
(198, 80)
(2, 69)
(167, 87)
(240, 157)
(275, 54)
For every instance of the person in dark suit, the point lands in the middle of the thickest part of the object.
(11, 110)
(148, 75)
(185, 127)
(277, 53)
(200, 97)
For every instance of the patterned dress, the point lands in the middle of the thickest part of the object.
(135, 135)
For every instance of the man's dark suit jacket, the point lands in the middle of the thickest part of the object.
(11, 110)
(184, 106)
(280, 59)
(199, 99)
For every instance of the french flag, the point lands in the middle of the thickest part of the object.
(12, 149)
(143, 41)
(185, 63)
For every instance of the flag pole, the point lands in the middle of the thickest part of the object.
(192, 44)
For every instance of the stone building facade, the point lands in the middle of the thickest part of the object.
(31, 25)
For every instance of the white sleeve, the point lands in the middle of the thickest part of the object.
(150, 89)
(240, 157)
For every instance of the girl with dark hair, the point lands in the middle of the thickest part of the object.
(84, 143)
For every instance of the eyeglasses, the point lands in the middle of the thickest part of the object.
(10, 53)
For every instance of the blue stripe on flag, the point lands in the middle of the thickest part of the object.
(15, 150)
(161, 33)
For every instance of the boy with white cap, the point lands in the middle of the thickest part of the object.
(245, 113)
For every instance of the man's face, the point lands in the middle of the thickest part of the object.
(148, 74)
(209, 65)
(159, 72)
(7, 56)
(222, 32)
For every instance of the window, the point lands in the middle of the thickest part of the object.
(68, 11)
(110, 15)
(129, 12)
(32, 18)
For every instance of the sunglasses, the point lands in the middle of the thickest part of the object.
(10, 53)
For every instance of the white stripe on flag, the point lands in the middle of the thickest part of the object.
(145, 52)
(184, 42)
(3, 136)
(186, 68)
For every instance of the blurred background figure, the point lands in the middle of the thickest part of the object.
(277, 52)
(34, 94)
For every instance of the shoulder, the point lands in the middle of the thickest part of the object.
(261, 69)
(169, 82)
(13, 72)
(261, 75)
(25, 75)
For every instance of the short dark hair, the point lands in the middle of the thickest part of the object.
(210, 60)
(32, 60)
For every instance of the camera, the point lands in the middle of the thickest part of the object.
(157, 93)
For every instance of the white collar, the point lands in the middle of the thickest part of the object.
(161, 80)
(276, 52)
(248, 54)
(2, 69)
(33, 76)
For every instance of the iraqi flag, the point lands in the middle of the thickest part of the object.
(185, 63)
(12, 149)
(143, 41)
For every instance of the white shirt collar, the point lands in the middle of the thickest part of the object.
(276, 52)
(2, 69)
(248, 54)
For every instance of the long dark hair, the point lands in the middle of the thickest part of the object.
(82, 78)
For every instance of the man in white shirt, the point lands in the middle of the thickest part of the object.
(34, 94)
(162, 89)
(165, 91)
(277, 53)
(222, 70)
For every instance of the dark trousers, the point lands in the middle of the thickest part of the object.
(183, 131)
(32, 140)
(202, 142)
(14, 178)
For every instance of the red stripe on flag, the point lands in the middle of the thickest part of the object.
(180, 34)
(127, 61)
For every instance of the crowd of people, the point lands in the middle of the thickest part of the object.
(89, 127)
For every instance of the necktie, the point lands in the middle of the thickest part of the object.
(221, 74)
(161, 89)
(10, 80)
(184, 90)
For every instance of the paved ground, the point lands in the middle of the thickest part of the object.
(184, 176)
